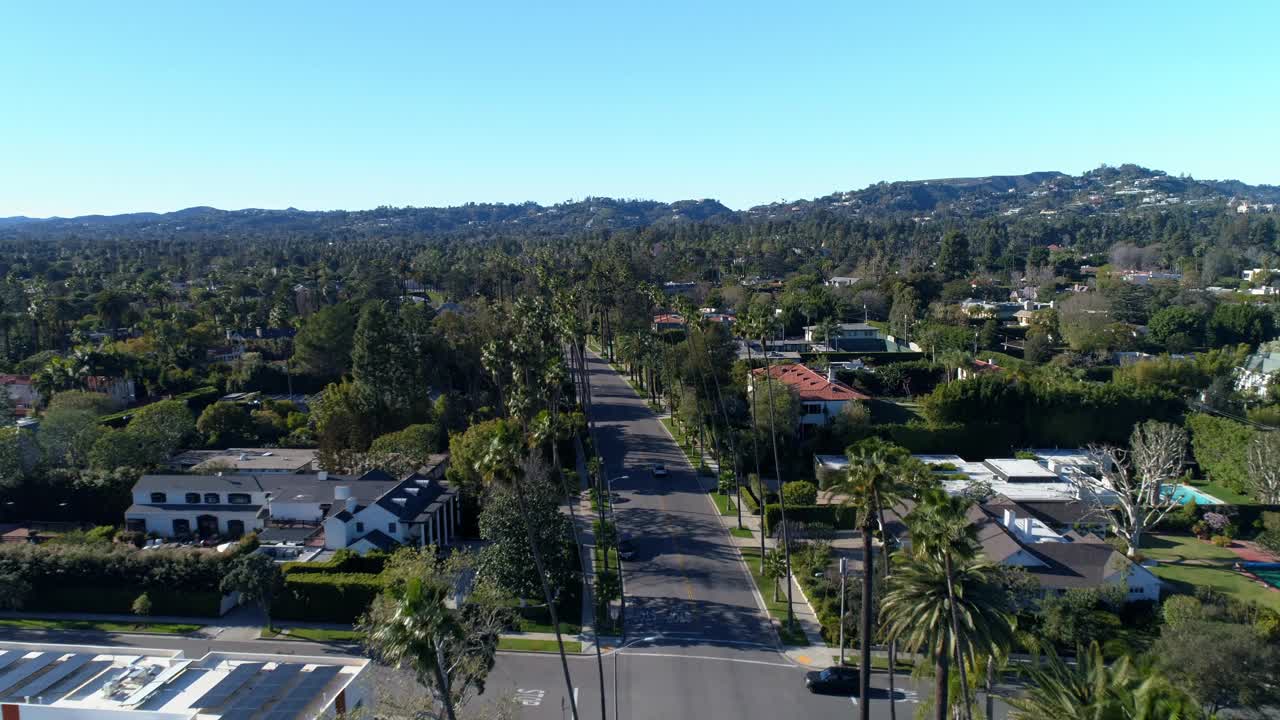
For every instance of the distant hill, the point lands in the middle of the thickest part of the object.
(1107, 189)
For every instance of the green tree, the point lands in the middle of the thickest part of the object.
(1177, 328)
(169, 421)
(1093, 689)
(380, 363)
(225, 424)
(1037, 347)
(257, 578)
(946, 613)
(416, 442)
(67, 436)
(507, 560)
(1233, 323)
(1225, 666)
(775, 569)
(954, 260)
(800, 492)
(125, 449)
(141, 606)
(322, 346)
(904, 312)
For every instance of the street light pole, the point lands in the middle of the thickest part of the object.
(616, 658)
(843, 567)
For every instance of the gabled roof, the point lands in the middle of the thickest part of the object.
(413, 497)
(380, 540)
(810, 385)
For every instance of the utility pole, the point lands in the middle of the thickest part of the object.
(843, 568)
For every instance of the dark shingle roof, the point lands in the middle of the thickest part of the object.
(411, 497)
(284, 487)
(380, 540)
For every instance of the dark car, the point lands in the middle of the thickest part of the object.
(626, 550)
(659, 470)
(833, 681)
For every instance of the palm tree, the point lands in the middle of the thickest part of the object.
(825, 328)
(941, 530)
(500, 465)
(412, 631)
(871, 484)
(766, 328)
(926, 596)
(749, 326)
(1092, 688)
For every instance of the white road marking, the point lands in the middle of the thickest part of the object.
(853, 699)
(711, 657)
(530, 698)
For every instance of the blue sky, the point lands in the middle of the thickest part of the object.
(121, 107)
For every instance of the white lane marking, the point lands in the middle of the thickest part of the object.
(530, 698)
(710, 657)
(854, 699)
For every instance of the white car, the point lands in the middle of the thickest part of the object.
(659, 470)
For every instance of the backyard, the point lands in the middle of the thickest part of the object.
(1187, 562)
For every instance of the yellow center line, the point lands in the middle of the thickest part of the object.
(688, 586)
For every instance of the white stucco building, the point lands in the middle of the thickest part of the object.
(821, 398)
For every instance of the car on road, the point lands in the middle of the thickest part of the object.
(832, 681)
(659, 470)
(626, 550)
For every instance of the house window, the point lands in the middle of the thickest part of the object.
(235, 528)
(813, 408)
(181, 527)
(359, 527)
(391, 528)
(159, 498)
(211, 498)
(1135, 590)
(238, 498)
(193, 498)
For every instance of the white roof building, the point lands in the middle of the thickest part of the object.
(79, 682)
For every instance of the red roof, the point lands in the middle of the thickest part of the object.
(670, 319)
(15, 379)
(810, 385)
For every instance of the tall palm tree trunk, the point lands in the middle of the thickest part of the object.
(442, 680)
(864, 629)
(782, 501)
(893, 644)
(755, 453)
(955, 633)
(546, 594)
(941, 680)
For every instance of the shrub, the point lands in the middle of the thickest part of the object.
(1179, 610)
(142, 605)
(326, 597)
(1221, 540)
(800, 493)
(1220, 446)
(836, 516)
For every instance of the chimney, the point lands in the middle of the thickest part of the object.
(351, 504)
(322, 475)
(1009, 518)
(831, 373)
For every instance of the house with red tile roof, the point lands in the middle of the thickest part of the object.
(22, 392)
(822, 398)
(668, 321)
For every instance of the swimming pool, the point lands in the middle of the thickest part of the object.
(1268, 573)
(1185, 494)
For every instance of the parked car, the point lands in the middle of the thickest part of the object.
(626, 550)
(659, 470)
(832, 681)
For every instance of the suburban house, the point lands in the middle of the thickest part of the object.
(853, 337)
(977, 367)
(22, 393)
(120, 390)
(821, 398)
(1260, 274)
(842, 281)
(1010, 535)
(1258, 371)
(756, 352)
(246, 461)
(372, 510)
(668, 321)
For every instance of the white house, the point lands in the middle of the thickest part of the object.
(821, 398)
(842, 281)
(1060, 562)
(1258, 372)
(372, 510)
(1259, 274)
(21, 392)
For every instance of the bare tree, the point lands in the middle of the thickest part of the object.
(1137, 476)
(1264, 467)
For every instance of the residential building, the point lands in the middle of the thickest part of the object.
(375, 509)
(678, 288)
(977, 367)
(668, 321)
(821, 398)
(1146, 277)
(1010, 535)
(1260, 274)
(45, 681)
(757, 352)
(848, 337)
(1258, 371)
(246, 461)
(22, 393)
(120, 390)
(989, 309)
(842, 281)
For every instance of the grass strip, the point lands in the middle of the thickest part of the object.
(100, 626)
(777, 608)
(530, 645)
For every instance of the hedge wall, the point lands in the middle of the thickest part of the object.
(326, 597)
(343, 561)
(1220, 447)
(837, 516)
(78, 598)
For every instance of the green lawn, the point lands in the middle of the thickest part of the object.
(1187, 563)
(599, 558)
(1222, 492)
(678, 434)
(527, 625)
(724, 503)
(526, 645)
(741, 532)
(320, 635)
(778, 608)
(101, 626)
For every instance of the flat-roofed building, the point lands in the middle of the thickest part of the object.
(246, 461)
(82, 682)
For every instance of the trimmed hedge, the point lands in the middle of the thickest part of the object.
(326, 597)
(1220, 447)
(343, 561)
(837, 516)
(120, 600)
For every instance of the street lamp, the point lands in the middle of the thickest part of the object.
(615, 653)
(844, 565)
